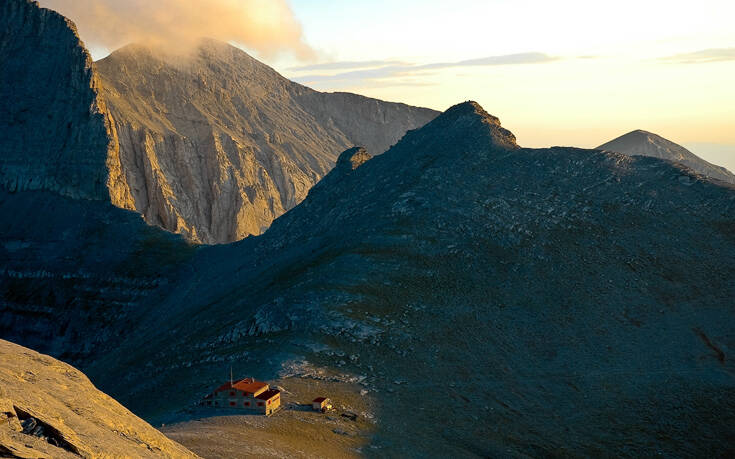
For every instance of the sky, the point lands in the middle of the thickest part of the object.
(567, 72)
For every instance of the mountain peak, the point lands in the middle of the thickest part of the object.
(644, 143)
(471, 108)
(205, 47)
(468, 124)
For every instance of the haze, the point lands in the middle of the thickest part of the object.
(565, 72)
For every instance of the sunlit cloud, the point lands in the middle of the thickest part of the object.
(702, 57)
(266, 26)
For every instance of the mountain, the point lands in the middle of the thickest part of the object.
(483, 299)
(457, 296)
(213, 146)
(51, 410)
(216, 145)
(54, 131)
(73, 267)
(648, 144)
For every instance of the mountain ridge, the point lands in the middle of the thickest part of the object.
(640, 142)
(217, 144)
(459, 257)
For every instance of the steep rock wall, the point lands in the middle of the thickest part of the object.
(54, 132)
(216, 145)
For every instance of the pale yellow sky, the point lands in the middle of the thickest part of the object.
(567, 72)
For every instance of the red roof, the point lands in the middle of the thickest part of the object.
(250, 386)
(319, 400)
(246, 385)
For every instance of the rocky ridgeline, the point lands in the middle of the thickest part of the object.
(648, 144)
(559, 301)
(213, 146)
(49, 409)
(216, 145)
(74, 269)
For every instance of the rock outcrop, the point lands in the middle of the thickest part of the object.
(555, 301)
(216, 145)
(648, 144)
(352, 158)
(49, 409)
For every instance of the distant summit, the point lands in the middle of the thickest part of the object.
(644, 143)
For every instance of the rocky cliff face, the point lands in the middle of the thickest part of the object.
(216, 145)
(54, 133)
(556, 301)
(648, 144)
(49, 409)
(73, 268)
(213, 146)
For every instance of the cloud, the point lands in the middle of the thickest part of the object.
(383, 70)
(345, 65)
(702, 57)
(508, 59)
(266, 26)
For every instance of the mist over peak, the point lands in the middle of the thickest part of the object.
(266, 26)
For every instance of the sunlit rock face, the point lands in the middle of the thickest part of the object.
(50, 409)
(215, 145)
(54, 134)
(643, 143)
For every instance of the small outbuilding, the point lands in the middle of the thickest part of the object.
(320, 404)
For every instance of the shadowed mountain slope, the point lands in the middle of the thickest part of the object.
(54, 132)
(648, 144)
(73, 268)
(216, 145)
(73, 418)
(493, 300)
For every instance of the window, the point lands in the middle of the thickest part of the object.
(246, 403)
(269, 402)
(232, 403)
(261, 404)
(232, 394)
(209, 403)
